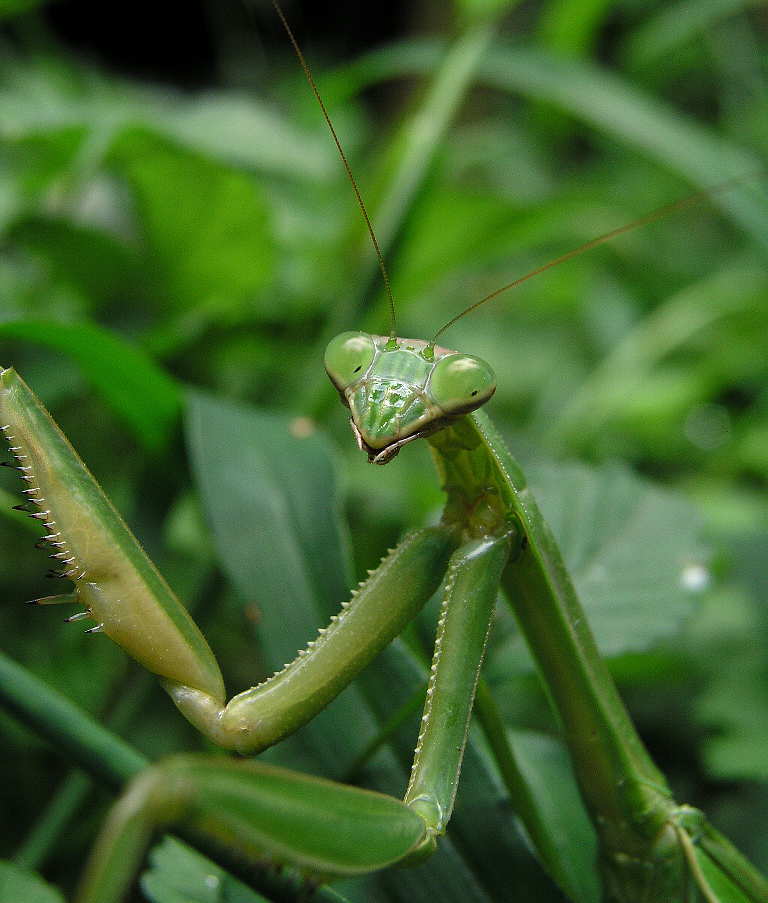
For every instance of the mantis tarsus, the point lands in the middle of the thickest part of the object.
(491, 532)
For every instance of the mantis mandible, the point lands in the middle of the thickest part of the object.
(491, 535)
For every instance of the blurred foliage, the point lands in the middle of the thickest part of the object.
(176, 214)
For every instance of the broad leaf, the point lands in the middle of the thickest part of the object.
(180, 875)
(209, 231)
(17, 884)
(632, 550)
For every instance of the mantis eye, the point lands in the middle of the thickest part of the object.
(348, 357)
(461, 383)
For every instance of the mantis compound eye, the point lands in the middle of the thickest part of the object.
(348, 357)
(461, 383)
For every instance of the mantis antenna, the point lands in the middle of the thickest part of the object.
(674, 207)
(287, 27)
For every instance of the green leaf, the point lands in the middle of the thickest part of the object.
(573, 28)
(89, 261)
(645, 123)
(180, 875)
(670, 27)
(268, 488)
(209, 231)
(610, 105)
(632, 550)
(256, 138)
(17, 884)
(546, 767)
(636, 385)
(141, 394)
(485, 9)
(733, 707)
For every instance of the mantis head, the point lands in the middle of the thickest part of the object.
(399, 390)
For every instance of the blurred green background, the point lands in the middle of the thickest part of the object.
(173, 211)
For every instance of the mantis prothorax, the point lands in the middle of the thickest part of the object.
(491, 535)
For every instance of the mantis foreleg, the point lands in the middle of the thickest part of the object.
(465, 620)
(324, 829)
(268, 812)
(378, 611)
(130, 602)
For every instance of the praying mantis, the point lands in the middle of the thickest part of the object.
(491, 532)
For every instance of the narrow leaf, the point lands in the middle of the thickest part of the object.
(132, 385)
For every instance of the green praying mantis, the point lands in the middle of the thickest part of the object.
(491, 535)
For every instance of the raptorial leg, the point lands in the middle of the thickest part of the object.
(470, 594)
(124, 593)
(268, 814)
(377, 612)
